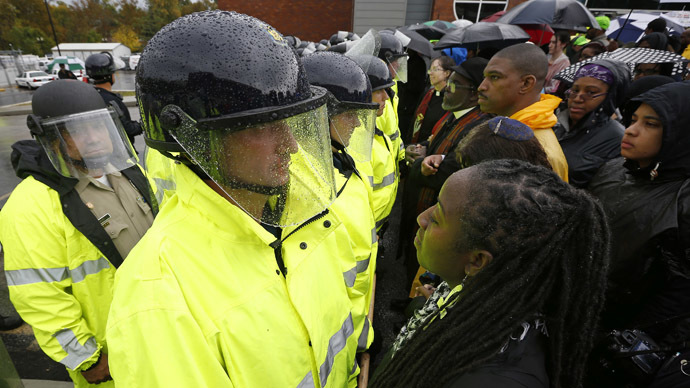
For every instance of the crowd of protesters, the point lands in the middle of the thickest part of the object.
(544, 229)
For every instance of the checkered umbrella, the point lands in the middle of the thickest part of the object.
(631, 57)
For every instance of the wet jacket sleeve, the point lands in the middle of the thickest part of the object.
(176, 354)
(40, 280)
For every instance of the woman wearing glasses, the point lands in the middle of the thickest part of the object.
(587, 133)
(429, 110)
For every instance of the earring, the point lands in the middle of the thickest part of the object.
(463, 280)
(654, 173)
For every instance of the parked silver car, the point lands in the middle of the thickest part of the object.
(34, 79)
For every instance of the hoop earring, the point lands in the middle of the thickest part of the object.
(683, 363)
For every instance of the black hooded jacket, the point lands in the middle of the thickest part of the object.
(649, 217)
(596, 138)
(29, 159)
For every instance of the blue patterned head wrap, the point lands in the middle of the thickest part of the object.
(595, 71)
(510, 129)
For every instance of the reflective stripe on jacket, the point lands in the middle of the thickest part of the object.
(202, 302)
(383, 178)
(59, 282)
(159, 170)
(388, 122)
(353, 207)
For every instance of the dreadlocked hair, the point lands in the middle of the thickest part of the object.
(550, 247)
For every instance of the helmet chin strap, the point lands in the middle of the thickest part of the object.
(260, 189)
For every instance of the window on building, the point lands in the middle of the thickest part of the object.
(476, 10)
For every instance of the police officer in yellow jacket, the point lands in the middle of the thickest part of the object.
(82, 206)
(392, 52)
(235, 285)
(382, 170)
(351, 117)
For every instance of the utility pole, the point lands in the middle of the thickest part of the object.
(53, 28)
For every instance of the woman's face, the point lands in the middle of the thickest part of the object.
(587, 53)
(642, 139)
(585, 95)
(555, 46)
(440, 230)
(438, 76)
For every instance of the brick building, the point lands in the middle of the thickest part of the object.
(318, 19)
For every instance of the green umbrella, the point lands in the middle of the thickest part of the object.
(442, 24)
(72, 63)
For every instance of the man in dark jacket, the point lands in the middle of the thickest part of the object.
(101, 69)
(427, 175)
(65, 73)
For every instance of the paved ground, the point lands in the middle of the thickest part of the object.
(38, 371)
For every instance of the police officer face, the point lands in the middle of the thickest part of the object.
(87, 140)
(260, 155)
(380, 96)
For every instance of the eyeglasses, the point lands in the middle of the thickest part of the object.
(434, 69)
(585, 95)
(452, 87)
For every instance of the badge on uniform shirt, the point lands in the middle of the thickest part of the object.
(105, 220)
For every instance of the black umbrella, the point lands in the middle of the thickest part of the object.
(417, 43)
(631, 57)
(559, 14)
(483, 34)
(429, 32)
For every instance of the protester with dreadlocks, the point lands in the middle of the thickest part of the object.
(524, 258)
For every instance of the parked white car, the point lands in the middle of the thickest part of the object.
(34, 79)
(134, 61)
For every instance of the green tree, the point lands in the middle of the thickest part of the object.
(187, 6)
(131, 15)
(127, 36)
(30, 40)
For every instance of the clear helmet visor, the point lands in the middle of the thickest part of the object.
(399, 67)
(89, 143)
(368, 45)
(354, 129)
(279, 172)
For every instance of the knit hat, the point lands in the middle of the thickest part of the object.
(580, 41)
(604, 22)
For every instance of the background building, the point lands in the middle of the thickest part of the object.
(83, 50)
(314, 20)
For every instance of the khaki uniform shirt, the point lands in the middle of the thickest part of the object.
(122, 210)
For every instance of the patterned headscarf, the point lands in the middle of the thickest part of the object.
(595, 71)
(510, 129)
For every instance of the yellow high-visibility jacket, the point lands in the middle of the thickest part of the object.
(389, 124)
(354, 207)
(59, 282)
(159, 169)
(59, 261)
(383, 177)
(202, 302)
